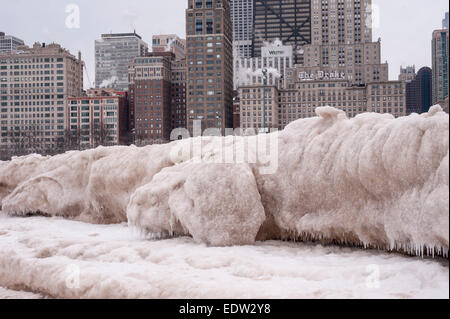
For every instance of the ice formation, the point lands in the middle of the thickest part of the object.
(57, 258)
(373, 181)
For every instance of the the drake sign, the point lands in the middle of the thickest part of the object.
(321, 75)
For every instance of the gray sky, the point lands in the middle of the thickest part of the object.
(405, 26)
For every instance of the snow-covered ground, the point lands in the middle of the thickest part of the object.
(52, 257)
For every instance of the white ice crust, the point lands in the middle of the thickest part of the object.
(372, 180)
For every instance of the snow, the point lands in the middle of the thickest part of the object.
(13, 294)
(57, 258)
(371, 181)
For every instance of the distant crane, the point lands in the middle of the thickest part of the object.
(91, 84)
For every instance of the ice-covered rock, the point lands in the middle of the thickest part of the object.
(372, 180)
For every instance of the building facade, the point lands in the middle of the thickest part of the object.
(440, 61)
(304, 96)
(236, 110)
(99, 118)
(178, 93)
(419, 92)
(209, 64)
(445, 21)
(169, 43)
(242, 20)
(407, 74)
(276, 59)
(259, 108)
(387, 97)
(9, 43)
(35, 85)
(286, 20)
(150, 80)
(113, 54)
(342, 42)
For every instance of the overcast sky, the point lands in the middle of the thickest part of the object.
(405, 26)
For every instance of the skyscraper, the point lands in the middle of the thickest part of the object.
(440, 57)
(209, 64)
(342, 41)
(445, 21)
(242, 19)
(113, 54)
(150, 83)
(9, 44)
(285, 20)
(418, 92)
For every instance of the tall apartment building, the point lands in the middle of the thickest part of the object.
(9, 43)
(113, 54)
(419, 92)
(98, 118)
(150, 79)
(276, 58)
(285, 20)
(209, 64)
(242, 20)
(440, 61)
(407, 74)
(342, 42)
(178, 93)
(35, 85)
(169, 43)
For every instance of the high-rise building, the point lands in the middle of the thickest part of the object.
(285, 20)
(98, 118)
(169, 43)
(9, 44)
(242, 19)
(35, 85)
(407, 74)
(440, 60)
(209, 64)
(113, 54)
(342, 42)
(157, 97)
(150, 80)
(445, 21)
(418, 92)
(341, 22)
(178, 104)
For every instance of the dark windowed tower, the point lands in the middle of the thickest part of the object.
(209, 70)
(419, 93)
(286, 20)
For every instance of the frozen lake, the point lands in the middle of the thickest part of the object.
(56, 258)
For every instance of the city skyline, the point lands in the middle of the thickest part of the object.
(133, 15)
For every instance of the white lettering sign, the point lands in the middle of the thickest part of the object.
(321, 75)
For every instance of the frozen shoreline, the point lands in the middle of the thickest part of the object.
(53, 256)
(372, 180)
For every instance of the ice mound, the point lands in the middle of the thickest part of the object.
(373, 181)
